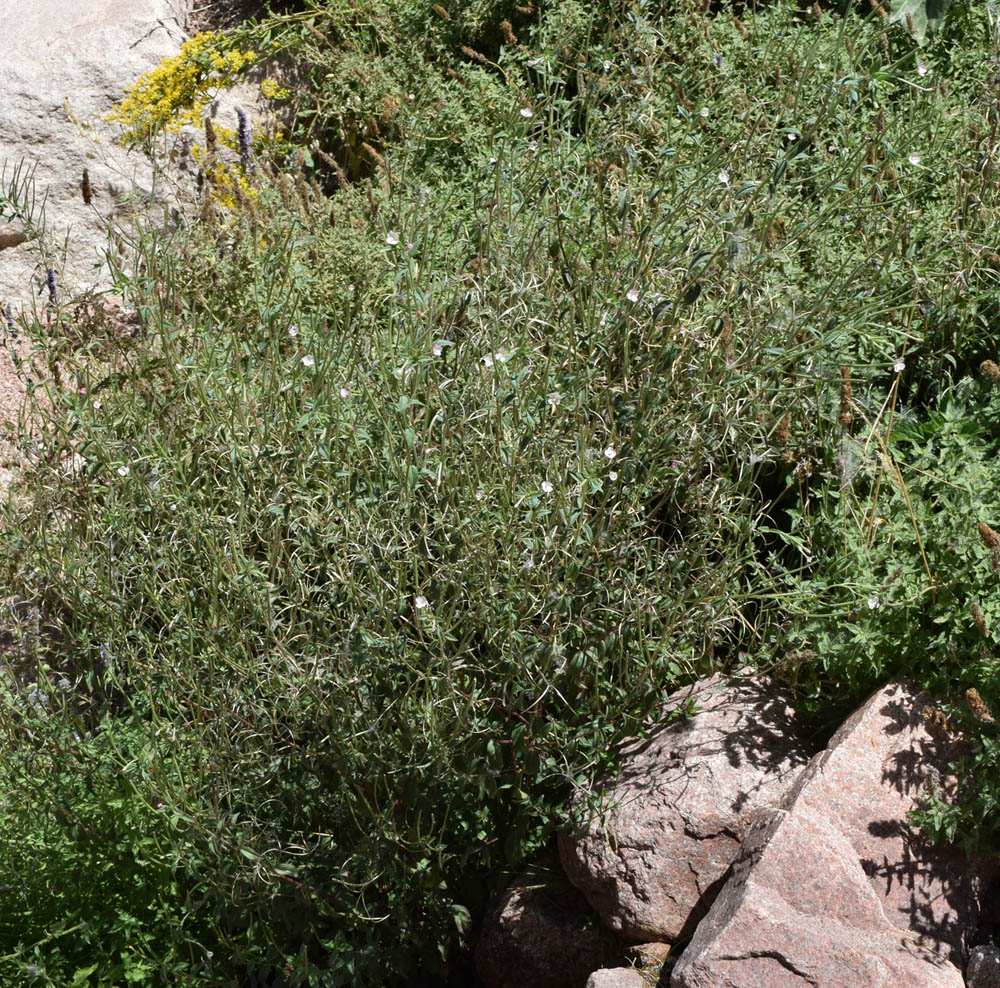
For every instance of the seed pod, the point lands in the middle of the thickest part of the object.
(979, 619)
(991, 370)
(508, 32)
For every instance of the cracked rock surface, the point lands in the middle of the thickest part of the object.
(833, 889)
(680, 805)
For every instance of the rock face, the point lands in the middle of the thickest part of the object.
(542, 934)
(833, 889)
(63, 67)
(681, 805)
(619, 977)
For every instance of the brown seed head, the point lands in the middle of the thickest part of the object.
(977, 705)
(86, 188)
(473, 54)
(991, 540)
(785, 428)
(979, 619)
(211, 144)
(508, 32)
(910, 26)
(441, 12)
(846, 416)
(991, 370)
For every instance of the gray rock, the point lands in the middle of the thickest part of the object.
(681, 804)
(63, 67)
(834, 889)
(983, 969)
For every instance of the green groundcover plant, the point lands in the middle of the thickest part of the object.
(553, 358)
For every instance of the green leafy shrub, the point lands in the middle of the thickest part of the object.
(384, 530)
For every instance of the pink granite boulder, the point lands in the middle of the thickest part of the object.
(680, 805)
(619, 977)
(835, 890)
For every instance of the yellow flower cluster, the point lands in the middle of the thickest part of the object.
(271, 90)
(176, 92)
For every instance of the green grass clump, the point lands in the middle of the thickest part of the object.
(419, 487)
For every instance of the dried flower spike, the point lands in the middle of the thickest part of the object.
(441, 12)
(991, 540)
(846, 416)
(979, 619)
(86, 188)
(50, 281)
(211, 143)
(977, 705)
(936, 720)
(991, 370)
(508, 32)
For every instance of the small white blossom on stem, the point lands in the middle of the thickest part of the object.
(420, 602)
(547, 487)
(392, 238)
(308, 360)
(610, 452)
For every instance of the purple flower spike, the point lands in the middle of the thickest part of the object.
(50, 280)
(9, 316)
(243, 138)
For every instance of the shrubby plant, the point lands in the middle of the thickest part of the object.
(639, 343)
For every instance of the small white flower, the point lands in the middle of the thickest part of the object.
(553, 398)
(914, 158)
(724, 177)
(632, 295)
(873, 603)
(488, 360)
(350, 289)
(526, 113)
(410, 97)
(308, 360)
(392, 238)
(704, 112)
(921, 70)
(529, 563)
(613, 475)
(606, 65)
(610, 452)
(293, 331)
(899, 365)
(493, 161)
(547, 486)
(419, 602)
(123, 471)
(437, 350)
(344, 393)
(479, 495)
(97, 404)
